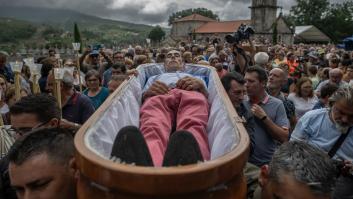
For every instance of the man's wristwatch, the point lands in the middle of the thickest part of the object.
(76, 126)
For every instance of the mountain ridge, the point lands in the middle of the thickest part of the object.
(61, 16)
(33, 27)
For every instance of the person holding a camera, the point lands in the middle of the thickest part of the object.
(95, 59)
(241, 59)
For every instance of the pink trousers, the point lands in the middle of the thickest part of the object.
(187, 110)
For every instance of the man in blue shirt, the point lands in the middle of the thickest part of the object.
(323, 127)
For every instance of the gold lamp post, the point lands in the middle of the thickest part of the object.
(17, 68)
(35, 71)
(58, 76)
(76, 47)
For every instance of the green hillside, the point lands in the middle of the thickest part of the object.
(13, 30)
(38, 27)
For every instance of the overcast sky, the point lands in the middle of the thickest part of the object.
(149, 11)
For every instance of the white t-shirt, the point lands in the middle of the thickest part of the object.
(301, 105)
(4, 109)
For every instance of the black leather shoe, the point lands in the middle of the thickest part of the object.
(182, 149)
(130, 147)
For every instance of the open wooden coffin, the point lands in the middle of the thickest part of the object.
(221, 177)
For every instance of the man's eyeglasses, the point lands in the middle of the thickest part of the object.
(23, 130)
(92, 80)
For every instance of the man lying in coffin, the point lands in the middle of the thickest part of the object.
(173, 120)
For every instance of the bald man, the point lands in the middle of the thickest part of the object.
(335, 77)
(276, 79)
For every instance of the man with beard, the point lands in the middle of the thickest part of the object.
(331, 130)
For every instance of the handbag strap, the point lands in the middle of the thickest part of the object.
(338, 143)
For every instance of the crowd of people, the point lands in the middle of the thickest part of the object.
(296, 102)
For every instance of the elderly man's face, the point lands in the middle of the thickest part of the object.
(276, 79)
(342, 115)
(138, 50)
(236, 93)
(173, 61)
(42, 177)
(336, 76)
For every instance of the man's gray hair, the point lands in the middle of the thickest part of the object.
(119, 78)
(68, 80)
(261, 58)
(343, 93)
(306, 164)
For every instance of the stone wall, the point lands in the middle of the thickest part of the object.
(182, 30)
(263, 14)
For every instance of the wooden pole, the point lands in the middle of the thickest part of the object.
(55, 92)
(1, 120)
(79, 71)
(58, 94)
(17, 86)
(36, 88)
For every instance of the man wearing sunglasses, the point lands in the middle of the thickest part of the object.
(31, 112)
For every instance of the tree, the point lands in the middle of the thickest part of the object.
(201, 11)
(309, 12)
(339, 21)
(156, 34)
(335, 20)
(275, 33)
(77, 36)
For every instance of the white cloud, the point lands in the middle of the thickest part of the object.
(155, 7)
(119, 4)
(150, 11)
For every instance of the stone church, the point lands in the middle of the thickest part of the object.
(264, 19)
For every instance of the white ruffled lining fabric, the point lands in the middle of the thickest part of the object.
(124, 110)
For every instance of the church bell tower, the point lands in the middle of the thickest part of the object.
(263, 15)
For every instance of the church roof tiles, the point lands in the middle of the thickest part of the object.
(194, 17)
(221, 27)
